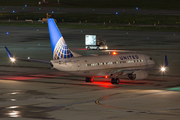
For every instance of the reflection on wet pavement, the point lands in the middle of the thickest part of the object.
(25, 112)
(30, 111)
(32, 92)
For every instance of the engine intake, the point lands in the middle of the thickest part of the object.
(138, 75)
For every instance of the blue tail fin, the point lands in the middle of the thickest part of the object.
(166, 61)
(59, 47)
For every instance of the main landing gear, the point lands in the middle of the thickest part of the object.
(115, 80)
(89, 79)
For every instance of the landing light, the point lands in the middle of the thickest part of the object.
(163, 69)
(13, 59)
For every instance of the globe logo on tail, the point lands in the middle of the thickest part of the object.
(61, 50)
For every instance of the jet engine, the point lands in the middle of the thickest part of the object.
(138, 75)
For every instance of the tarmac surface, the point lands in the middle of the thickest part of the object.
(33, 91)
(40, 9)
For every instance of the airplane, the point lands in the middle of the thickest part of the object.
(134, 65)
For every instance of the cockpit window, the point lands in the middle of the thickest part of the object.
(150, 58)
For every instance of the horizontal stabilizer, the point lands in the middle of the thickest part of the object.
(75, 54)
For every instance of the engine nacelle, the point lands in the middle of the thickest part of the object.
(138, 75)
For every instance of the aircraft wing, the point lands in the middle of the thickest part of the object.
(125, 71)
(122, 71)
(26, 59)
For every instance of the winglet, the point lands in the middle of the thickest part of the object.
(166, 61)
(9, 54)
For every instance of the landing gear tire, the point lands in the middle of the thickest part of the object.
(112, 80)
(89, 79)
(115, 81)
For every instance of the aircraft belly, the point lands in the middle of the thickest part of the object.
(90, 73)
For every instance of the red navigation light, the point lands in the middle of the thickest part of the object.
(106, 76)
(114, 53)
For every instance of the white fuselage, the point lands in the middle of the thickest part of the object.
(102, 65)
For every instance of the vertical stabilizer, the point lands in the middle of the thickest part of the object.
(59, 47)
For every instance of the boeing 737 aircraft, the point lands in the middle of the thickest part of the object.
(135, 65)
